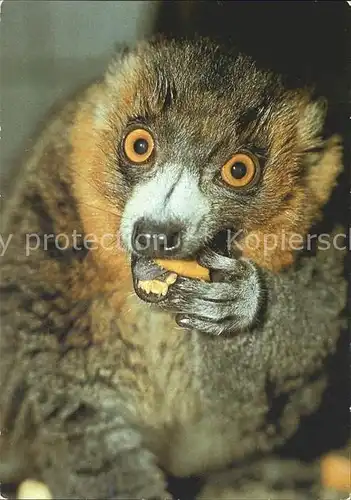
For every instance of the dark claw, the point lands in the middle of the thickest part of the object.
(183, 321)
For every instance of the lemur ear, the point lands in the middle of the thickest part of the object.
(121, 54)
(324, 169)
(324, 156)
(312, 121)
(122, 64)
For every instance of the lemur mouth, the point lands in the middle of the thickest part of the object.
(151, 282)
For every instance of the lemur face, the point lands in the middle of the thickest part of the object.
(197, 140)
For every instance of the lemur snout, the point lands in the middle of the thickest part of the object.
(153, 239)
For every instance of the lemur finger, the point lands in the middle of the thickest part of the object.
(223, 268)
(146, 270)
(205, 326)
(212, 311)
(216, 292)
(212, 260)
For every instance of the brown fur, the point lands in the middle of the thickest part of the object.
(100, 215)
(291, 221)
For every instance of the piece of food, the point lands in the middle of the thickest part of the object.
(35, 490)
(336, 471)
(187, 268)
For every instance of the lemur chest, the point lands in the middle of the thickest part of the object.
(171, 405)
(165, 362)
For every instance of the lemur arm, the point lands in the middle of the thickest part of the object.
(64, 415)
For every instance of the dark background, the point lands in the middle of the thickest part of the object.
(299, 38)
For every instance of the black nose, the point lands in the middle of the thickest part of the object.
(152, 239)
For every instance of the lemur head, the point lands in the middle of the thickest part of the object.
(191, 139)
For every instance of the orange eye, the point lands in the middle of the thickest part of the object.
(240, 170)
(138, 145)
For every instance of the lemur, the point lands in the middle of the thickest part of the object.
(106, 386)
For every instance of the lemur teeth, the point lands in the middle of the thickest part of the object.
(171, 278)
(157, 287)
(33, 489)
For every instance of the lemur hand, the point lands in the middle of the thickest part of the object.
(228, 304)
